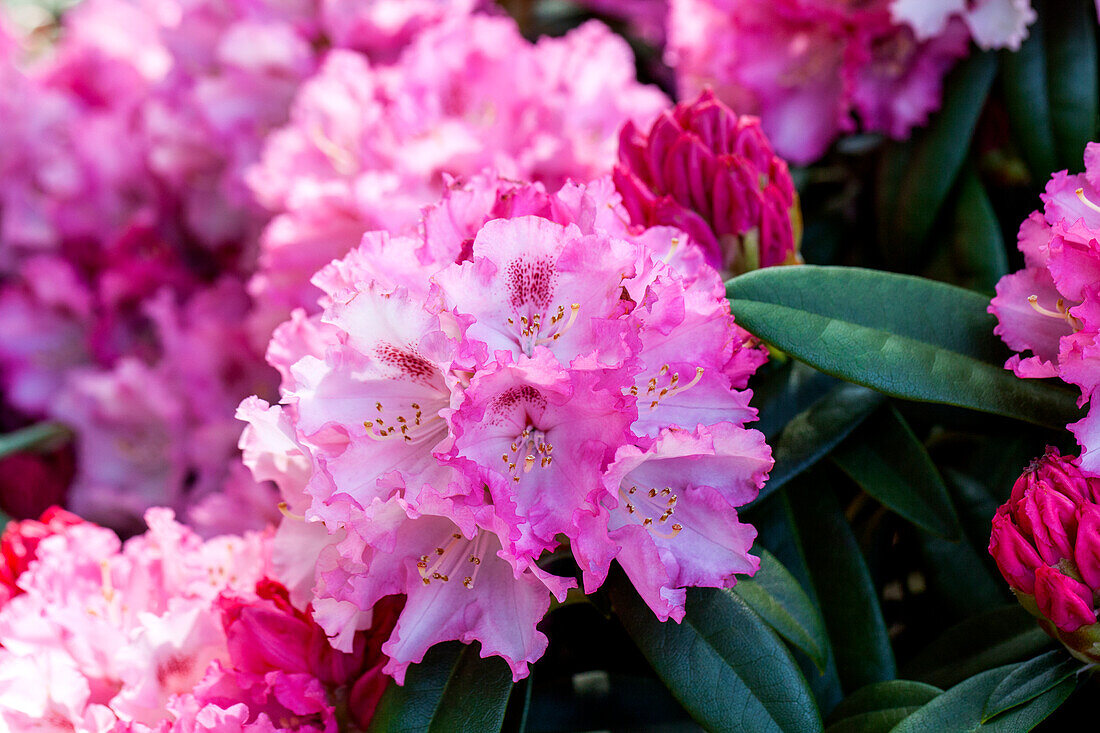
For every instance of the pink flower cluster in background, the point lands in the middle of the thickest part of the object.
(139, 153)
(1046, 541)
(525, 371)
(168, 633)
(1051, 308)
(367, 146)
(810, 70)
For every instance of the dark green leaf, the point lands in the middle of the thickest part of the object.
(453, 689)
(40, 436)
(1029, 680)
(1070, 37)
(1027, 99)
(778, 599)
(879, 707)
(781, 393)
(901, 335)
(977, 244)
(848, 600)
(930, 162)
(959, 710)
(997, 637)
(722, 662)
(812, 433)
(885, 458)
(774, 521)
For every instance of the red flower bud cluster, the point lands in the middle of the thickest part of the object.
(1046, 542)
(713, 174)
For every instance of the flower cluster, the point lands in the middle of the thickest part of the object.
(1050, 308)
(168, 633)
(1046, 541)
(136, 169)
(714, 175)
(367, 146)
(805, 67)
(523, 376)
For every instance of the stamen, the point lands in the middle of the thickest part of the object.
(1061, 314)
(651, 524)
(284, 509)
(1081, 195)
(443, 565)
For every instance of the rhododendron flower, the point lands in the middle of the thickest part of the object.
(1051, 308)
(19, 542)
(169, 633)
(705, 170)
(805, 67)
(369, 145)
(992, 23)
(1046, 541)
(464, 414)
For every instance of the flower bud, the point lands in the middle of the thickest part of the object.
(1063, 600)
(713, 174)
(1046, 542)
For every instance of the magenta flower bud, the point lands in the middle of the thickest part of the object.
(1046, 542)
(1086, 552)
(713, 174)
(1014, 555)
(1051, 519)
(1063, 600)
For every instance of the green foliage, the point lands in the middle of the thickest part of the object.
(722, 662)
(452, 690)
(863, 326)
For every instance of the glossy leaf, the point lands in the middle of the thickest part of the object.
(999, 636)
(1029, 680)
(778, 598)
(959, 710)
(904, 336)
(879, 707)
(722, 662)
(888, 462)
(812, 433)
(929, 163)
(977, 244)
(453, 689)
(849, 603)
(40, 436)
(1070, 36)
(1027, 99)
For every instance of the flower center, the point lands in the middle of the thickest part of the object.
(409, 423)
(665, 384)
(645, 505)
(1061, 314)
(538, 331)
(528, 447)
(459, 557)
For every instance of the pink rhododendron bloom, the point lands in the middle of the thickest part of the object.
(369, 145)
(169, 633)
(1046, 542)
(1051, 308)
(463, 413)
(19, 542)
(705, 170)
(805, 67)
(992, 23)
